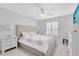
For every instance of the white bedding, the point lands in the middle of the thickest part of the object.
(39, 42)
(42, 39)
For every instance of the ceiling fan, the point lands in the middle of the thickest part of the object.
(44, 11)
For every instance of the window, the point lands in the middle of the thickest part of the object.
(55, 28)
(48, 28)
(52, 28)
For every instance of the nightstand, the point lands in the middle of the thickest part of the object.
(8, 43)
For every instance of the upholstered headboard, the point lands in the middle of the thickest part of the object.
(24, 28)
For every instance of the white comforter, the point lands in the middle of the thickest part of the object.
(42, 40)
(39, 42)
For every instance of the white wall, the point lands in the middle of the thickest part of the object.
(9, 17)
(65, 24)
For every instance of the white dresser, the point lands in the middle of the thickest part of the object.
(8, 42)
(70, 43)
(75, 41)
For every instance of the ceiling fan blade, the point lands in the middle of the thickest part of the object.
(50, 14)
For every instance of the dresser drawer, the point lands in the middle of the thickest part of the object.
(9, 46)
(9, 43)
(10, 39)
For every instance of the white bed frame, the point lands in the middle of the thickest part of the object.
(24, 28)
(37, 52)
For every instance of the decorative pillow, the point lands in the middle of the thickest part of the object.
(26, 35)
(33, 33)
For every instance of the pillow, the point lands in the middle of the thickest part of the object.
(26, 35)
(33, 33)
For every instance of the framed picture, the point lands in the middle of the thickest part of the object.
(76, 19)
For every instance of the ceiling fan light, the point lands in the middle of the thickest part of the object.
(43, 14)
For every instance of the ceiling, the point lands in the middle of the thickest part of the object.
(33, 10)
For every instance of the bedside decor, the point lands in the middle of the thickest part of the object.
(7, 43)
(8, 37)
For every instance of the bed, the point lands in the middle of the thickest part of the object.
(40, 45)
